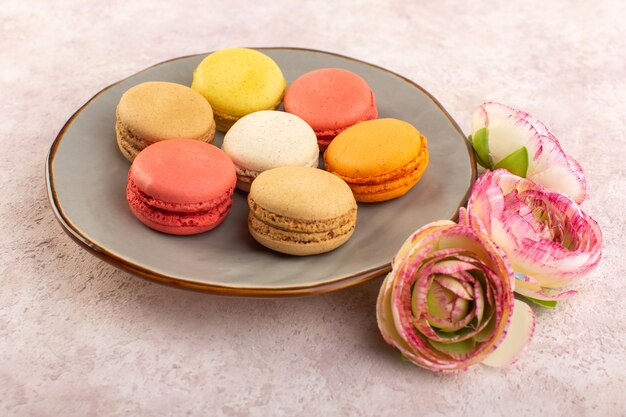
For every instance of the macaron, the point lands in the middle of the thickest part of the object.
(269, 139)
(300, 210)
(379, 159)
(239, 81)
(154, 111)
(181, 186)
(331, 100)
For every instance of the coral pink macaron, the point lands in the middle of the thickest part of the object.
(330, 100)
(181, 186)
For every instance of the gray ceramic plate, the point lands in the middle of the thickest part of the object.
(86, 177)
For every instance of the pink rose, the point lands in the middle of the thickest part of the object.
(504, 137)
(448, 303)
(549, 240)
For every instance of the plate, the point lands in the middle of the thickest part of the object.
(86, 178)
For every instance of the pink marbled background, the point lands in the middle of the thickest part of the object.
(78, 337)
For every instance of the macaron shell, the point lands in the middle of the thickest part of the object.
(178, 208)
(324, 137)
(155, 111)
(280, 241)
(188, 220)
(245, 177)
(393, 187)
(330, 98)
(239, 81)
(130, 144)
(285, 223)
(270, 139)
(323, 196)
(183, 171)
(373, 148)
(224, 121)
(203, 224)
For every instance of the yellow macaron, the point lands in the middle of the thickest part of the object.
(379, 159)
(239, 81)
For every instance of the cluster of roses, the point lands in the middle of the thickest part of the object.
(449, 302)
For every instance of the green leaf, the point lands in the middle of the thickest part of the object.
(542, 303)
(480, 143)
(516, 162)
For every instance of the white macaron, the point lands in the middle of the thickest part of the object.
(269, 139)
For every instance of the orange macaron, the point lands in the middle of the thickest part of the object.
(379, 159)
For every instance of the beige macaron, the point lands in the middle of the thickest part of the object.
(154, 111)
(301, 210)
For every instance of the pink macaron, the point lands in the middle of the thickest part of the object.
(330, 100)
(181, 186)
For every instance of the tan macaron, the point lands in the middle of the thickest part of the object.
(154, 111)
(301, 210)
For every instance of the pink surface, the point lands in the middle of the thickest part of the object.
(79, 337)
(183, 171)
(330, 100)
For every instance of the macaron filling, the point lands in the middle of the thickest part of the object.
(246, 176)
(399, 183)
(278, 228)
(291, 236)
(176, 214)
(130, 143)
(279, 222)
(225, 120)
(387, 182)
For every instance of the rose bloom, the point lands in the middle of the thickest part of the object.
(549, 240)
(504, 137)
(448, 303)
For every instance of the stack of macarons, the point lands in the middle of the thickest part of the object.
(179, 183)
